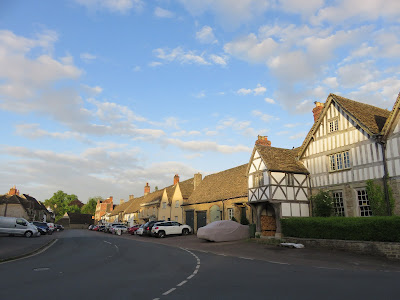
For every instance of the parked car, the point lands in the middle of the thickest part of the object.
(51, 226)
(133, 229)
(41, 230)
(17, 226)
(59, 227)
(96, 228)
(44, 226)
(140, 230)
(223, 231)
(118, 228)
(148, 226)
(162, 229)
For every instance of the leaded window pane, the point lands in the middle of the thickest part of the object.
(363, 203)
(338, 204)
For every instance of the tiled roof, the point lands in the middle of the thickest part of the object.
(120, 208)
(186, 187)
(134, 205)
(372, 117)
(227, 184)
(280, 159)
(153, 197)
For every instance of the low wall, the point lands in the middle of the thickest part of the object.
(388, 250)
(78, 226)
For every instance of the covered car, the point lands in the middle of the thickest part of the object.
(223, 231)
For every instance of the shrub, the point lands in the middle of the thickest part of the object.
(377, 200)
(233, 219)
(380, 229)
(243, 220)
(322, 204)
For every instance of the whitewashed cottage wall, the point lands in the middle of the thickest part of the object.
(392, 151)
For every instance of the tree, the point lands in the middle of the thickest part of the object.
(59, 203)
(377, 200)
(90, 206)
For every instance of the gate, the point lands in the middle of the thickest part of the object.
(268, 226)
(190, 218)
(201, 219)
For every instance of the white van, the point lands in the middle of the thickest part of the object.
(17, 226)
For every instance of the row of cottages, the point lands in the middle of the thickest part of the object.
(14, 204)
(103, 209)
(219, 196)
(349, 143)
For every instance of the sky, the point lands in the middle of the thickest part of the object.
(98, 97)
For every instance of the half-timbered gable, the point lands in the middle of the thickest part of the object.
(343, 150)
(278, 186)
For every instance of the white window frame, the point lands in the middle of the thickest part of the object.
(333, 125)
(258, 179)
(363, 204)
(176, 203)
(339, 161)
(176, 218)
(338, 203)
(230, 213)
(164, 205)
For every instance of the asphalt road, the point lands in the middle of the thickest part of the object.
(90, 265)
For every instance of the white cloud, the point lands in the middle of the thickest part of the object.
(200, 95)
(356, 74)
(357, 11)
(229, 14)
(331, 82)
(33, 131)
(87, 57)
(206, 146)
(211, 132)
(95, 90)
(269, 100)
(257, 91)
(206, 35)
(193, 156)
(219, 60)
(300, 135)
(179, 55)
(262, 116)
(305, 8)
(186, 133)
(118, 6)
(155, 64)
(163, 13)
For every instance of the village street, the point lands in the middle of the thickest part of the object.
(89, 265)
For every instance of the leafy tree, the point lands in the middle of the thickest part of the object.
(59, 203)
(90, 206)
(322, 204)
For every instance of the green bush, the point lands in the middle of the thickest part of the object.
(322, 204)
(377, 200)
(244, 220)
(380, 229)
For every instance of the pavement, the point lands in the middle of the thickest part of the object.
(254, 249)
(14, 247)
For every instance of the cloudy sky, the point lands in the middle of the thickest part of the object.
(98, 97)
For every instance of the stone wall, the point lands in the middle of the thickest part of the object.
(14, 210)
(388, 250)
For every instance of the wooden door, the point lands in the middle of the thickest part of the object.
(268, 226)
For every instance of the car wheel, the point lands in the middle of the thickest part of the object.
(185, 231)
(161, 234)
(28, 234)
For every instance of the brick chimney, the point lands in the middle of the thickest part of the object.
(197, 179)
(13, 191)
(176, 179)
(317, 110)
(131, 197)
(147, 189)
(263, 141)
(121, 201)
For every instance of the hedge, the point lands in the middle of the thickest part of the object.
(379, 229)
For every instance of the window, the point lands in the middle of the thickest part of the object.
(363, 203)
(177, 203)
(289, 179)
(339, 161)
(334, 125)
(164, 205)
(176, 218)
(258, 179)
(338, 206)
(230, 213)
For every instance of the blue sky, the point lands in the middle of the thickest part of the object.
(98, 97)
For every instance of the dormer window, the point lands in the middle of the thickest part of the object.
(334, 125)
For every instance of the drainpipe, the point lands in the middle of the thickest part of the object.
(385, 174)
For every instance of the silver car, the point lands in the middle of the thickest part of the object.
(17, 226)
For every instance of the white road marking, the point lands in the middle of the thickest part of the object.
(277, 262)
(41, 269)
(246, 258)
(169, 291)
(182, 283)
(116, 247)
(107, 242)
(329, 268)
(221, 254)
(195, 272)
(198, 266)
(190, 277)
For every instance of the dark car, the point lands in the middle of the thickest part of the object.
(43, 226)
(148, 226)
(59, 227)
(41, 230)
